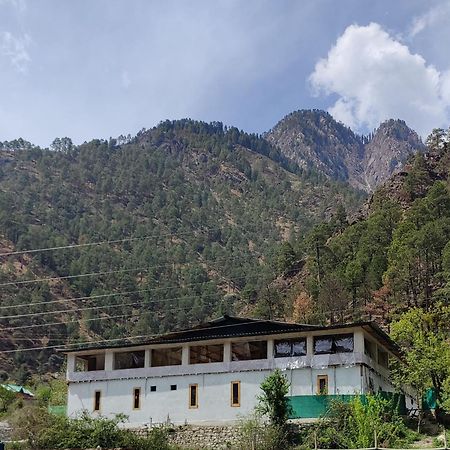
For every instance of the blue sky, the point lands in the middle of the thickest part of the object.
(101, 68)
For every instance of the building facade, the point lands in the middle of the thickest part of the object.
(211, 374)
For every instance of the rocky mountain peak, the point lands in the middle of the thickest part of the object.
(314, 140)
(389, 147)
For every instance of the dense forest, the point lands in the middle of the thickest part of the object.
(397, 257)
(196, 213)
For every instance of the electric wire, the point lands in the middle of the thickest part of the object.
(114, 294)
(121, 305)
(92, 244)
(92, 274)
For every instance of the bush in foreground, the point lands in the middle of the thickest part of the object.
(355, 424)
(45, 431)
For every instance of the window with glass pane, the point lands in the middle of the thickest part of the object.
(136, 398)
(243, 351)
(343, 343)
(193, 396)
(235, 393)
(340, 343)
(199, 354)
(323, 345)
(166, 356)
(129, 360)
(97, 397)
(322, 385)
(290, 347)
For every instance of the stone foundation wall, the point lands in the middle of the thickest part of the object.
(194, 437)
(201, 437)
(204, 437)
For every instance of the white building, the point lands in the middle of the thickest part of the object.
(211, 373)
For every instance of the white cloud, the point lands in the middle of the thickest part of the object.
(376, 78)
(15, 49)
(434, 16)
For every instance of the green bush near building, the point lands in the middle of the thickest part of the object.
(42, 430)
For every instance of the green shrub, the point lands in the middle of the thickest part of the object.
(45, 431)
(354, 424)
(254, 433)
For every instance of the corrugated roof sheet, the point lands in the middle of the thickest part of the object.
(18, 389)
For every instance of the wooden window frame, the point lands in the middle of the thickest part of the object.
(319, 378)
(196, 396)
(99, 392)
(139, 398)
(238, 404)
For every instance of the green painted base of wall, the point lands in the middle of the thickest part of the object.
(315, 406)
(58, 410)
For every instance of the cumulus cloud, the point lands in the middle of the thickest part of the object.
(376, 77)
(16, 50)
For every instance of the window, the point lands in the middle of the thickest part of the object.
(136, 398)
(97, 396)
(129, 360)
(173, 387)
(369, 348)
(166, 356)
(322, 385)
(235, 393)
(383, 359)
(290, 347)
(152, 388)
(340, 343)
(199, 354)
(89, 363)
(193, 396)
(242, 351)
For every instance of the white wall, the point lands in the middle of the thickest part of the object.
(214, 394)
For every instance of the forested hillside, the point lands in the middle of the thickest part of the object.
(202, 209)
(395, 258)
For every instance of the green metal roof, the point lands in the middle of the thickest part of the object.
(18, 389)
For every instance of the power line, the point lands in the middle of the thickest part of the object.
(147, 336)
(114, 294)
(92, 244)
(67, 277)
(76, 321)
(92, 274)
(122, 305)
(38, 325)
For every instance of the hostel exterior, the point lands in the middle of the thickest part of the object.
(211, 374)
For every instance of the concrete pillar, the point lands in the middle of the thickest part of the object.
(148, 358)
(70, 363)
(270, 349)
(358, 341)
(227, 352)
(309, 345)
(185, 355)
(109, 360)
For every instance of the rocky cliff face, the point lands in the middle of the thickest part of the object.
(392, 143)
(314, 140)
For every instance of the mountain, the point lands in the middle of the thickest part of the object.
(314, 140)
(203, 209)
(395, 257)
